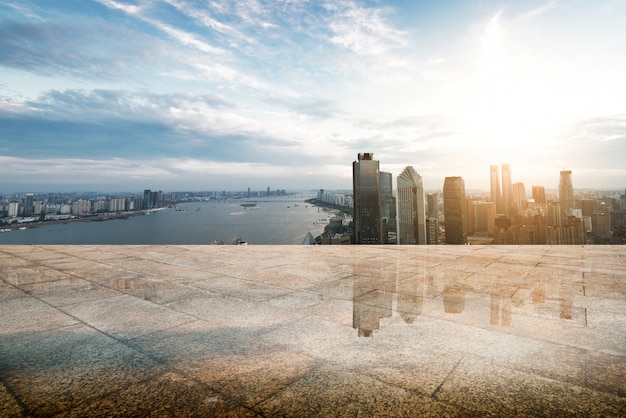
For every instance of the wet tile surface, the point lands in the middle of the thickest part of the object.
(312, 331)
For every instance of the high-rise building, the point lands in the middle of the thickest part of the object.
(366, 191)
(432, 231)
(469, 216)
(485, 220)
(387, 206)
(588, 206)
(411, 208)
(38, 207)
(148, 202)
(29, 204)
(432, 205)
(14, 209)
(454, 210)
(519, 198)
(539, 194)
(496, 194)
(566, 191)
(507, 190)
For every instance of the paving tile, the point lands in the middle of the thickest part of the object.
(31, 273)
(68, 291)
(331, 391)
(169, 394)
(312, 336)
(486, 387)
(233, 361)
(28, 315)
(9, 292)
(243, 289)
(8, 405)
(154, 290)
(606, 373)
(126, 316)
(225, 310)
(52, 371)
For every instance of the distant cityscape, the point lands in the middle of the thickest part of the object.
(506, 215)
(377, 213)
(24, 210)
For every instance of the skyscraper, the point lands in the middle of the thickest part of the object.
(29, 204)
(366, 191)
(539, 194)
(454, 210)
(507, 190)
(566, 191)
(387, 206)
(411, 208)
(432, 204)
(496, 194)
(148, 202)
(519, 198)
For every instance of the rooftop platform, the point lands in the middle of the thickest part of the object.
(312, 331)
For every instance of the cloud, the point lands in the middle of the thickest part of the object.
(538, 10)
(117, 123)
(103, 104)
(599, 129)
(126, 174)
(363, 30)
(316, 108)
(51, 48)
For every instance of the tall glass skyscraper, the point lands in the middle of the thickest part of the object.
(566, 191)
(496, 194)
(367, 202)
(454, 210)
(387, 206)
(519, 198)
(411, 208)
(507, 190)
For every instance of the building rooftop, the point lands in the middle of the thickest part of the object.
(312, 331)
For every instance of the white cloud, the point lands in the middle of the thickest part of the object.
(363, 30)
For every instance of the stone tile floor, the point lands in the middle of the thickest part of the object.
(312, 331)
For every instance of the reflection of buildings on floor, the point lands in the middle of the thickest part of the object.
(376, 290)
(500, 309)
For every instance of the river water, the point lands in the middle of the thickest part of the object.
(275, 221)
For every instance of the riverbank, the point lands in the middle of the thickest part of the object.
(93, 218)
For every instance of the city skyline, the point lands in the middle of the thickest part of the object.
(110, 95)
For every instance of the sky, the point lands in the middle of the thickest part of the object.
(125, 95)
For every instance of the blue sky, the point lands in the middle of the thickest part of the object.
(122, 95)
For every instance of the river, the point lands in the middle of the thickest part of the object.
(274, 221)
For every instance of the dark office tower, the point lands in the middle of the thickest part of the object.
(387, 205)
(411, 208)
(588, 206)
(539, 194)
(454, 210)
(366, 192)
(566, 191)
(147, 199)
(248, 193)
(29, 204)
(432, 231)
(507, 189)
(432, 205)
(496, 194)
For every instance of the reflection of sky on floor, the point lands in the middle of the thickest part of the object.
(301, 330)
